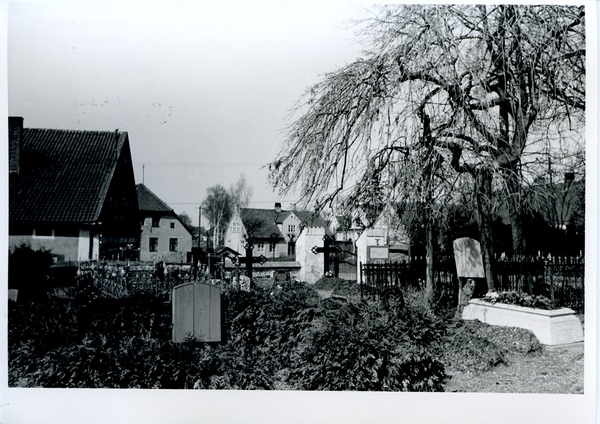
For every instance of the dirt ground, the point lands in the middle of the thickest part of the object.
(556, 370)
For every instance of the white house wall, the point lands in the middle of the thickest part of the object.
(312, 265)
(164, 232)
(67, 248)
(369, 237)
(234, 235)
(291, 219)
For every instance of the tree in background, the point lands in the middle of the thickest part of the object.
(240, 193)
(220, 205)
(217, 207)
(446, 96)
(185, 219)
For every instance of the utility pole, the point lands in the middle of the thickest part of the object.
(200, 225)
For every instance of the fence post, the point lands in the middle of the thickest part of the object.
(551, 281)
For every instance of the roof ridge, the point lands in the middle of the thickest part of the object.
(155, 196)
(77, 130)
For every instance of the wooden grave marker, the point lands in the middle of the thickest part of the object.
(197, 312)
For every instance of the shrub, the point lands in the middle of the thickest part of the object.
(367, 347)
(28, 271)
(467, 350)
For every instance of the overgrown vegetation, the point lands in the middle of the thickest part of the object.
(284, 337)
(28, 271)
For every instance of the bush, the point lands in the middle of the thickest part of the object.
(28, 271)
(283, 337)
(467, 350)
(340, 287)
(366, 347)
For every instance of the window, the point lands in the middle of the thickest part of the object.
(172, 225)
(271, 247)
(173, 242)
(153, 244)
(291, 228)
(235, 227)
(156, 221)
(260, 247)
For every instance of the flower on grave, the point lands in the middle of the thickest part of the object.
(491, 296)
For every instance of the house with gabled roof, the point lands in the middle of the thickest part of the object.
(273, 232)
(164, 236)
(72, 192)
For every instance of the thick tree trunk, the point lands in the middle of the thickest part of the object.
(515, 210)
(515, 205)
(483, 192)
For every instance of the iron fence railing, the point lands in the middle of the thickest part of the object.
(377, 277)
(560, 279)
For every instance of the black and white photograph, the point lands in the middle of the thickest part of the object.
(296, 212)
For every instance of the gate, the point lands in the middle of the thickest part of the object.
(342, 260)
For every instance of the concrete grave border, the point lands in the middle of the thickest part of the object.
(551, 327)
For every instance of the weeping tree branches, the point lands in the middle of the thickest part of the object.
(442, 91)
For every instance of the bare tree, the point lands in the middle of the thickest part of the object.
(240, 193)
(445, 95)
(217, 207)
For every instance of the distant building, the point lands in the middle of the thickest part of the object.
(164, 236)
(72, 192)
(274, 232)
(385, 241)
(281, 236)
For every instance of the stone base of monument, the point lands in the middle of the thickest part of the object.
(551, 327)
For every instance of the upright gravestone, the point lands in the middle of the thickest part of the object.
(467, 255)
(469, 265)
(197, 312)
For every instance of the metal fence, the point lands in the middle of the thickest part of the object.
(377, 277)
(560, 279)
(343, 260)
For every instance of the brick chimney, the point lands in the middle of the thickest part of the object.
(15, 136)
(278, 207)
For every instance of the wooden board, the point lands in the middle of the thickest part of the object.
(197, 312)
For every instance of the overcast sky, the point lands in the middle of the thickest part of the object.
(204, 89)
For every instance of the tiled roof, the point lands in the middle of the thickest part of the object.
(310, 219)
(64, 174)
(260, 222)
(148, 201)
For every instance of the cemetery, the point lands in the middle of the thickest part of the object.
(128, 325)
